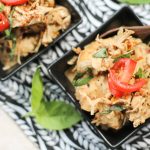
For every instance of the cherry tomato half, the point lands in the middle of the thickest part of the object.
(4, 23)
(125, 87)
(13, 2)
(127, 67)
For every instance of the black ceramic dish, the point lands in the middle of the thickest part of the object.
(124, 17)
(75, 20)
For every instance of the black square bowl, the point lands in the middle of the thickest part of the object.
(75, 20)
(124, 17)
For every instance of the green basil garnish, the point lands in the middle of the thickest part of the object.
(127, 55)
(102, 53)
(57, 115)
(13, 46)
(106, 111)
(117, 108)
(2, 7)
(113, 108)
(79, 75)
(11, 36)
(81, 81)
(37, 91)
(140, 74)
(135, 1)
(53, 115)
(8, 31)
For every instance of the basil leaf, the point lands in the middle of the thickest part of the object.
(139, 74)
(8, 31)
(2, 7)
(37, 91)
(54, 115)
(102, 53)
(57, 115)
(106, 111)
(128, 55)
(79, 75)
(11, 20)
(117, 108)
(13, 47)
(29, 114)
(135, 1)
(11, 36)
(113, 108)
(81, 81)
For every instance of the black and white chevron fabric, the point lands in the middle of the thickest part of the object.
(15, 92)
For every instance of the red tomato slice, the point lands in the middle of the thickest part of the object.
(13, 2)
(4, 23)
(113, 90)
(124, 87)
(127, 66)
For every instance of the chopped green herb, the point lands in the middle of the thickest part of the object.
(140, 74)
(11, 21)
(79, 75)
(106, 111)
(113, 108)
(79, 81)
(8, 31)
(117, 108)
(53, 115)
(82, 81)
(135, 1)
(127, 55)
(13, 47)
(102, 53)
(2, 7)
(11, 36)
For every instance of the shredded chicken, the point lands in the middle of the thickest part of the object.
(95, 96)
(38, 22)
(95, 92)
(112, 120)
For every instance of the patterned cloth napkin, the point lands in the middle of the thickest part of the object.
(15, 92)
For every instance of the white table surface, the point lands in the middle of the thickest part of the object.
(11, 137)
